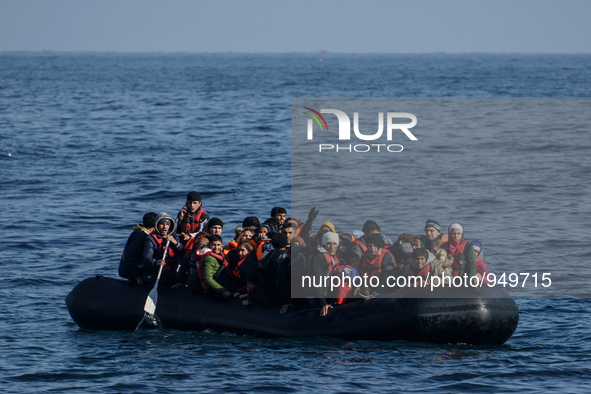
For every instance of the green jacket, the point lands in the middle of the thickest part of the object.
(210, 267)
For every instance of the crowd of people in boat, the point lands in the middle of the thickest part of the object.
(263, 261)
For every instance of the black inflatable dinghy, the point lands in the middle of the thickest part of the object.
(484, 316)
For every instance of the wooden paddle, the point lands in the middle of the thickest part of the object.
(150, 306)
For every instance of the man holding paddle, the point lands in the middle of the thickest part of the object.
(163, 238)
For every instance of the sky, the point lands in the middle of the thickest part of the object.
(345, 26)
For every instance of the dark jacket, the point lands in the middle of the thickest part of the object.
(131, 264)
(273, 225)
(319, 268)
(274, 287)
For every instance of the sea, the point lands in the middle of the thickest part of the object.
(89, 142)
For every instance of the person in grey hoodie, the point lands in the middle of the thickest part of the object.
(154, 251)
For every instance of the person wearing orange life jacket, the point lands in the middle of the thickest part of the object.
(215, 226)
(212, 268)
(191, 219)
(460, 253)
(245, 267)
(424, 265)
(359, 246)
(323, 264)
(231, 251)
(377, 261)
(154, 251)
(187, 264)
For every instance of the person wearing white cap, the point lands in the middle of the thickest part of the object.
(460, 251)
(323, 264)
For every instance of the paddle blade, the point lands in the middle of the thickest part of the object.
(150, 306)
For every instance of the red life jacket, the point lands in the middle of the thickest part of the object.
(171, 260)
(329, 263)
(189, 225)
(361, 245)
(460, 249)
(343, 291)
(373, 267)
(422, 273)
(199, 258)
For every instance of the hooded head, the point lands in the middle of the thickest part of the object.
(329, 226)
(478, 248)
(161, 220)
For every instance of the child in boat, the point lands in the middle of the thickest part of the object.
(417, 243)
(252, 284)
(481, 267)
(440, 254)
(212, 269)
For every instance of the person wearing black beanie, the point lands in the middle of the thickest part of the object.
(377, 261)
(251, 221)
(215, 226)
(359, 246)
(131, 264)
(191, 219)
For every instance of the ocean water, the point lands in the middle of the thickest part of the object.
(89, 142)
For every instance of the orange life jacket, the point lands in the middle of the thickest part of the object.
(373, 267)
(260, 250)
(230, 246)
